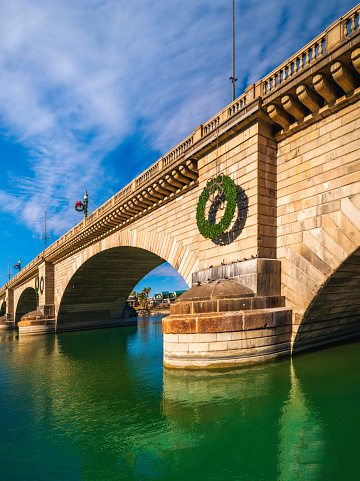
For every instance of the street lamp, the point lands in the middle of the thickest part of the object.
(18, 265)
(232, 78)
(82, 206)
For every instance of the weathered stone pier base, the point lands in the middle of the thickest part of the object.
(43, 321)
(7, 322)
(222, 323)
(49, 326)
(36, 326)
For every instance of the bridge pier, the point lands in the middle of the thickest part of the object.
(7, 320)
(261, 275)
(43, 319)
(233, 315)
(40, 321)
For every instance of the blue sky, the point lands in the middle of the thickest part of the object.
(92, 92)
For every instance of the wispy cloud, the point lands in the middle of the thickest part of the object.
(165, 270)
(78, 78)
(164, 277)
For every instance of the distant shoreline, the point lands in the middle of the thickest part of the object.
(155, 313)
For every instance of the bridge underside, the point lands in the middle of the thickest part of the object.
(27, 302)
(96, 295)
(334, 313)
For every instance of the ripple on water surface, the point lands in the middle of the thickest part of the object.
(98, 405)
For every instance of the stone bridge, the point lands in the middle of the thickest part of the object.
(283, 277)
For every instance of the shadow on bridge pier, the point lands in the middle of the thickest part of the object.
(334, 313)
(217, 208)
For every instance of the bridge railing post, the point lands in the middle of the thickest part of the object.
(334, 35)
(198, 132)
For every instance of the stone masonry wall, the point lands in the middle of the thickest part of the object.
(170, 232)
(249, 158)
(318, 196)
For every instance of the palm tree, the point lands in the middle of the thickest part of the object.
(143, 297)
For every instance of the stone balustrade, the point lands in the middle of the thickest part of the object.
(154, 169)
(178, 151)
(301, 60)
(212, 125)
(237, 105)
(350, 22)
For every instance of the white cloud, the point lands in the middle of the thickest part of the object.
(168, 275)
(76, 79)
(164, 270)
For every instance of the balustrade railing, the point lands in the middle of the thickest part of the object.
(237, 105)
(211, 125)
(179, 150)
(123, 193)
(153, 170)
(351, 22)
(105, 206)
(302, 59)
(91, 217)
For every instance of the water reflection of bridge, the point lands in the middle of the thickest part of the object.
(106, 394)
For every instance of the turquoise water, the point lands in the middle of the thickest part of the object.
(97, 405)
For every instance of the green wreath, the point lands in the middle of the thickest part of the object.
(37, 284)
(226, 186)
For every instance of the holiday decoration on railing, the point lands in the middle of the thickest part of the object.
(82, 206)
(18, 265)
(225, 186)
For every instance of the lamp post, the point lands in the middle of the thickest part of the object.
(18, 265)
(83, 206)
(232, 78)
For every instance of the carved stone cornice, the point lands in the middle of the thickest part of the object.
(309, 98)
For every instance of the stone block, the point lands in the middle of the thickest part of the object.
(275, 301)
(218, 346)
(236, 344)
(180, 308)
(235, 304)
(179, 325)
(223, 322)
(268, 284)
(180, 347)
(282, 317)
(259, 302)
(171, 337)
(199, 347)
(224, 336)
(257, 319)
(249, 280)
(204, 306)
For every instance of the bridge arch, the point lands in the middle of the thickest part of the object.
(2, 307)
(334, 312)
(27, 302)
(97, 291)
(160, 242)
